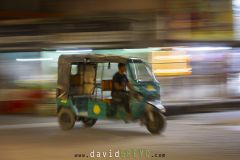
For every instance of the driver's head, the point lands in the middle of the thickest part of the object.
(121, 67)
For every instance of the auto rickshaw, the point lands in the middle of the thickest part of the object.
(84, 92)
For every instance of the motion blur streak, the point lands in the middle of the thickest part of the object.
(191, 46)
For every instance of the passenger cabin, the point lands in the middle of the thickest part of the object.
(87, 75)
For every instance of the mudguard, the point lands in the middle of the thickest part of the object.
(157, 104)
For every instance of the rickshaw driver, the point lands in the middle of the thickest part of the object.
(119, 84)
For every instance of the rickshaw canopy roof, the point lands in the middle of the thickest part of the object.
(97, 58)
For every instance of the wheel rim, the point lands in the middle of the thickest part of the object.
(154, 125)
(157, 125)
(65, 118)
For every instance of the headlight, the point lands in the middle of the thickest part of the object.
(163, 110)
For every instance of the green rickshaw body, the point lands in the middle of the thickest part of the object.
(97, 109)
(87, 104)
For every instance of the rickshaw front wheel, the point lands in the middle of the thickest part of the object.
(89, 122)
(155, 124)
(66, 119)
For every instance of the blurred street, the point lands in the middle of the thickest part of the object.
(192, 136)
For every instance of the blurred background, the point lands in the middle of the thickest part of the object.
(192, 46)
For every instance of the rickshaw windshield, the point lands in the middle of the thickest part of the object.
(141, 71)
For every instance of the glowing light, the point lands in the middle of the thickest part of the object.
(74, 51)
(171, 57)
(172, 72)
(201, 48)
(34, 59)
(143, 49)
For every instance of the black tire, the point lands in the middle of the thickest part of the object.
(158, 125)
(66, 119)
(88, 122)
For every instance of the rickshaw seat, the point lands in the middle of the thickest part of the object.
(106, 85)
(107, 100)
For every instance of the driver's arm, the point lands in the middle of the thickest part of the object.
(130, 86)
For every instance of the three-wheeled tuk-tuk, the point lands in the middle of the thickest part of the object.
(84, 92)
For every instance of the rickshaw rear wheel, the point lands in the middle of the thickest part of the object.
(88, 122)
(158, 124)
(66, 119)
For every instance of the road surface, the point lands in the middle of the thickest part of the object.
(190, 137)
